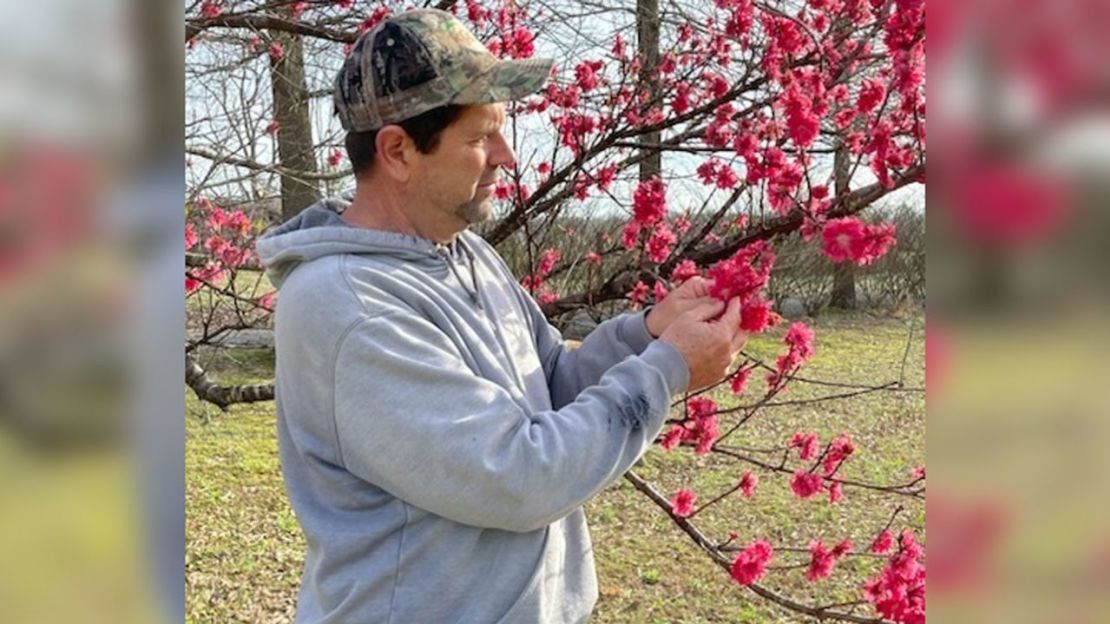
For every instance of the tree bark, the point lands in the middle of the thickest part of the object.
(844, 273)
(647, 31)
(294, 135)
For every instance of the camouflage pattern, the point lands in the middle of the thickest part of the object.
(419, 60)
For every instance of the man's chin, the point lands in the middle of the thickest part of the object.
(475, 211)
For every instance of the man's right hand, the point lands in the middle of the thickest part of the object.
(708, 345)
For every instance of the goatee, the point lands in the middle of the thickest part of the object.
(475, 211)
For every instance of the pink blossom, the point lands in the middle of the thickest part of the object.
(807, 443)
(681, 224)
(649, 201)
(918, 473)
(211, 8)
(840, 449)
(190, 236)
(586, 75)
(630, 235)
(756, 316)
(883, 543)
(800, 339)
(744, 274)
(618, 46)
(673, 437)
(543, 168)
(821, 561)
(593, 258)
(700, 407)
(660, 292)
(661, 242)
(836, 492)
(898, 592)
(748, 483)
(848, 238)
(605, 176)
(684, 271)
(273, 127)
(547, 261)
(277, 51)
(298, 9)
(682, 504)
(805, 484)
(751, 563)
(705, 431)
(739, 380)
(638, 294)
(871, 93)
(476, 13)
(267, 301)
(546, 296)
(334, 158)
(681, 101)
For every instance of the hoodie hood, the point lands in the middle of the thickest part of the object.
(319, 231)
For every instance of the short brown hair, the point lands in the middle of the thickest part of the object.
(424, 129)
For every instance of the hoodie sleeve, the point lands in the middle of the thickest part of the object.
(570, 371)
(412, 418)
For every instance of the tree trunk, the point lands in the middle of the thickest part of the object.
(294, 135)
(647, 31)
(844, 273)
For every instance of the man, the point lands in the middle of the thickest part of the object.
(437, 437)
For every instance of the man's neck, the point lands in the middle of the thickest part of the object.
(377, 208)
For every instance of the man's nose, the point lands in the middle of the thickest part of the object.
(502, 153)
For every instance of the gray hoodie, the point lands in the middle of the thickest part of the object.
(437, 437)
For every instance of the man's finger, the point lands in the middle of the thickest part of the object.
(706, 310)
(697, 286)
(731, 317)
(739, 339)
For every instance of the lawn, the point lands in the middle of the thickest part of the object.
(244, 549)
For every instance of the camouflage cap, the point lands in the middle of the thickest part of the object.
(423, 59)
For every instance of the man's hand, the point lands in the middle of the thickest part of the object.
(707, 345)
(693, 293)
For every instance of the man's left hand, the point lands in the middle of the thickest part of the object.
(692, 293)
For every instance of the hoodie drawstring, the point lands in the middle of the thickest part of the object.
(446, 255)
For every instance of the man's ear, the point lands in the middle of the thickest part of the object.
(395, 152)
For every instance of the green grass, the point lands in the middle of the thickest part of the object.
(245, 549)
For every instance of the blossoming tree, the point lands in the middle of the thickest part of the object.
(776, 119)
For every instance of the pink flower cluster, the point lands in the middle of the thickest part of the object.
(587, 76)
(748, 483)
(751, 563)
(535, 283)
(806, 443)
(699, 427)
(848, 238)
(799, 339)
(649, 202)
(682, 504)
(822, 560)
(898, 592)
(745, 275)
(226, 237)
(717, 173)
(684, 271)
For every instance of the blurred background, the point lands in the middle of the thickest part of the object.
(92, 316)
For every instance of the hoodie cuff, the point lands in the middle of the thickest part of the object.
(633, 331)
(669, 361)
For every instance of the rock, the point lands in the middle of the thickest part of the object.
(793, 308)
(579, 326)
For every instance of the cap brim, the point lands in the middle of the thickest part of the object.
(507, 80)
